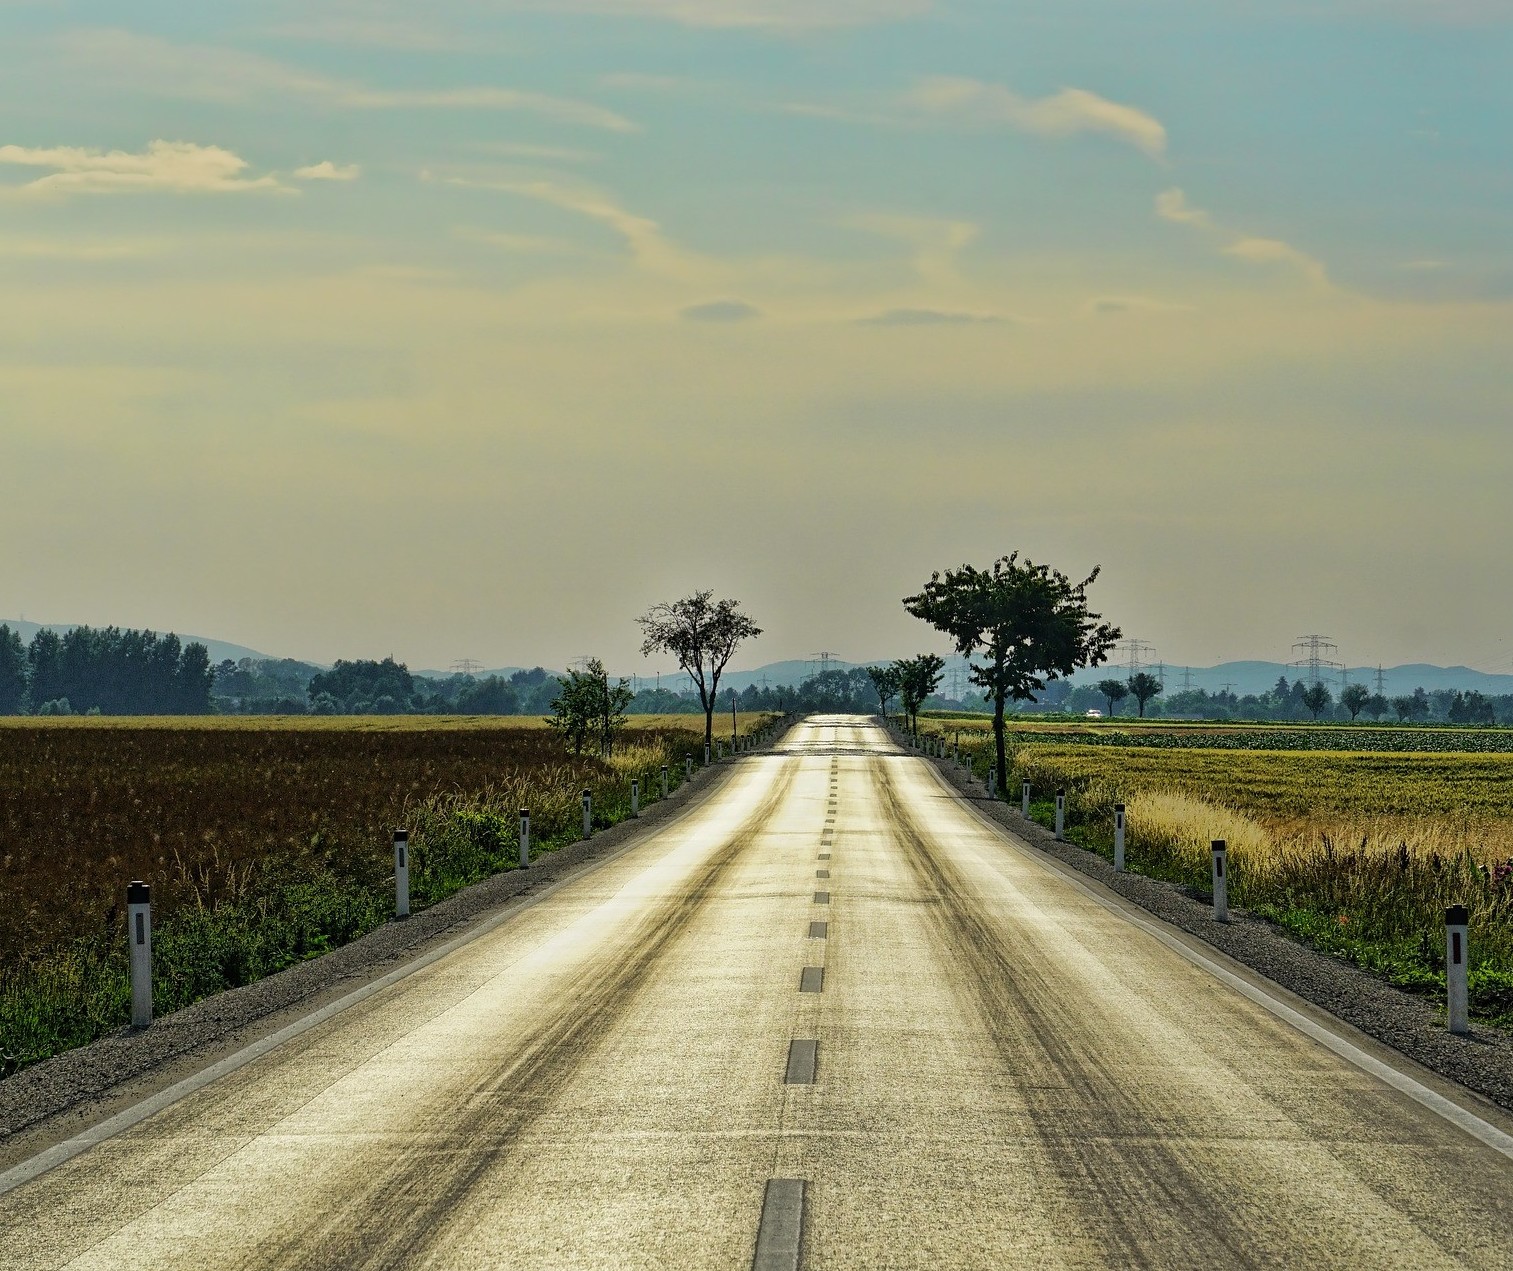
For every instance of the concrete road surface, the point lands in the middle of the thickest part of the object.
(829, 1017)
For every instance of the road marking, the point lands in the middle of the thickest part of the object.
(803, 1057)
(824, 856)
(822, 873)
(819, 930)
(812, 980)
(780, 1238)
(822, 898)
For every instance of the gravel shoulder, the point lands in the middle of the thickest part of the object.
(1408, 1025)
(51, 1101)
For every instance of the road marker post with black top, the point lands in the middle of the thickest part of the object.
(664, 781)
(139, 939)
(688, 768)
(401, 873)
(525, 838)
(1119, 837)
(588, 814)
(1061, 816)
(1024, 800)
(1221, 881)
(635, 796)
(1457, 952)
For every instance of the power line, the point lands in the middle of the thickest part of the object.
(1138, 654)
(466, 666)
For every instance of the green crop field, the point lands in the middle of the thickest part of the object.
(265, 841)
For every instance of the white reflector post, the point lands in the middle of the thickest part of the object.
(1457, 921)
(1221, 881)
(401, 873)
(1060, 815)
(1119, 836)
(525, 838)
(139, 938)
(588, 814)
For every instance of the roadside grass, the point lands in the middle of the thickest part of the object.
(264, 845)
(1357, 854)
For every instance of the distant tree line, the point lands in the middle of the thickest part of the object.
(102, 671)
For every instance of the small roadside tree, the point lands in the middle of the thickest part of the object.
(702, 633)
(917, 679)
(1114, 692)
(1143, 686)
(1029, 622)
(1355, 698)
(588, 706)
(885, 682)
(1316, 697)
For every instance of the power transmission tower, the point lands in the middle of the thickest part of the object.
(466, 666)
(1314, 649)
(1187, 679)
(1138, 655)
(1381, 681)
(824, 658)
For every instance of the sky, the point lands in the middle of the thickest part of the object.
(473, 329)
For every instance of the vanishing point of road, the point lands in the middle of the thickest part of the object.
(827, 1015)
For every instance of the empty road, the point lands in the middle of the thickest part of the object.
(828, 971)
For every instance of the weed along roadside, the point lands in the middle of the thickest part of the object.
(1355, 853)
(267, 847)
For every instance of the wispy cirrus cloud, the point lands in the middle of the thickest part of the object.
(776, 16)
(177, 167)
(1068, 113)
(1173, 205)
(219, 74)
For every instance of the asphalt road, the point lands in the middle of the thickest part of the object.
(975, 1061)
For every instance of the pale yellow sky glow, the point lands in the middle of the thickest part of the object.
(464, 362)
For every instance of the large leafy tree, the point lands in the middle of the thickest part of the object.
(885, 682)
(702, 633)
(1114, 692)
(1027, 622)
(1354, 697)
(1143, 686)
(1317, 696)
(918, 677)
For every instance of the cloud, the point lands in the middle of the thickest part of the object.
(936, 243)
(778, 16)
(523, 244)
(1172, 205)
(210, 73)
(929, 318)
(1065, 114)
(642, 235)
(527, 150)
(562, 109)
(1271, 251)
(722, 311)
(55, 249)
(178, 167)
(325, 170)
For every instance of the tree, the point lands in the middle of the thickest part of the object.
(12, 672)
(1377, 706)
(1355, 698)
(1114, 692)
(885, 681)
(355, 686)
(1029, 622)
(703, 634)
(917, 679)
(588, 706)
(1404, 708)
(1144, 686)
(491, 696)
(1317, 696)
